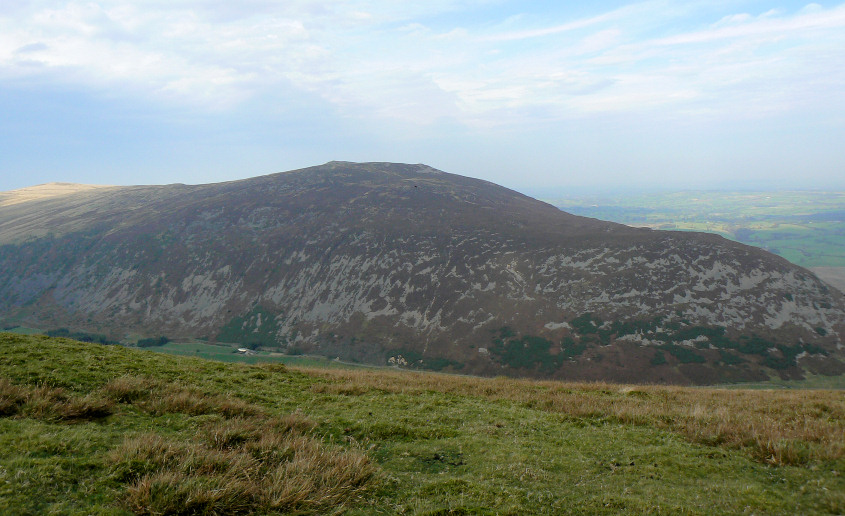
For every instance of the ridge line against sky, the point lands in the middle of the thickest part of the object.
(608, 94)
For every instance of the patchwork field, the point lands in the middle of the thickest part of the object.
(95, 429)
(806, 228)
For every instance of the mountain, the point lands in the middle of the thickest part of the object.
(408, 265)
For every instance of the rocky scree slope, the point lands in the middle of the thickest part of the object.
(406, 265)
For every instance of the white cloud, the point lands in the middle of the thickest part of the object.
(765, 25)
(557, 29)
(372, 58)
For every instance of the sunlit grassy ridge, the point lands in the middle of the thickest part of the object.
(169, 432)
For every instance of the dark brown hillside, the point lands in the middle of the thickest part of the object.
(394, 263)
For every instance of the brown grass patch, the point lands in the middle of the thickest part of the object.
(43, 402)
(11, 398)
(128, 389)
(235, 407)
(47, 403)
(173, 492)
(295, 422)
(239, 466)
(173, 398)
(86, 408)
(232, 433)
(161, 398)
(777, 427)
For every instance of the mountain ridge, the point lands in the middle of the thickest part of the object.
(380, 261)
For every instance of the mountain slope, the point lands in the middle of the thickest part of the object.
(405, 264)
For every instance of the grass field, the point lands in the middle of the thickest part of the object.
(93, 429)
(809, 382)
(23, 330)
(806, 228)
(228, 353)
(224, 352)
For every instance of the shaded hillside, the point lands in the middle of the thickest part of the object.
(404, 264)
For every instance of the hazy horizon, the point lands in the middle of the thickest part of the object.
(552, 192)
(610, 95)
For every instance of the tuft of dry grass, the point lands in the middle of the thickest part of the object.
(294, 422)
(128, 389)
(174, 398)
(86, 408)
(11, 398)
(160, 398)
(47, 403)
(234, 407)
(317, 477)
(244, 462)
(236, 466)
(43, 402)
(145, 454)
(231, 433)
(172, 492)
(777, 427)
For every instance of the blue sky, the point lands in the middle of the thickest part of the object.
(532, 95)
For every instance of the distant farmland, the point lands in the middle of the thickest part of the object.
(806, 228)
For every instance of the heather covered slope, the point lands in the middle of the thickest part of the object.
(391, 263)
(91, 429)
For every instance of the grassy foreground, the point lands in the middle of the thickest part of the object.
(92, 429)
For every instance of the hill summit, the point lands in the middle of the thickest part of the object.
(407, 265)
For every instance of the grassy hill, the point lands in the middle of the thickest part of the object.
(93, 429)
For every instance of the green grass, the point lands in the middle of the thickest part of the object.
(221, 352)
(810, 382)
(23, 330)
(440, 444)
(224, 352)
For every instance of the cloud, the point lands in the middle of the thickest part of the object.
(739, 67)
(557, 29)
(490, 67)
(30, 48)
(744, 26)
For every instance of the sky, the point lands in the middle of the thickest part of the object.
(539, 96)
